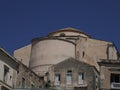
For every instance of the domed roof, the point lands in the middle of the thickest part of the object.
(69, 29)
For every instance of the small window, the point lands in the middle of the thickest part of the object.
(57, 79)
(6, 71)
(62, 34)
(83, 54)
(81, 78)
(69, 77)
(23, 82)
(115, 78)
(10, 77)
(77, 54)
(69, 71)
(32, 86)
(96, 79)
(17, 71)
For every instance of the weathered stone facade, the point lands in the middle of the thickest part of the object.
(109, 74)
(8, 68)
(91, 51)
(81, 75)
(68, 42)
(27, 78)
(14, 75)
(48, 58)
(23, 55)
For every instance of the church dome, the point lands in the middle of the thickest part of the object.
(69, 32)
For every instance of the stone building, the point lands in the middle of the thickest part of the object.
(44, 52)
(44, 55)
(26, 79)
(8, 68)
(109, 74)
(72, 74)
(14, 75)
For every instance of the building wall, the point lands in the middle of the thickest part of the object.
(23, 54)
(112, 52)
(89, 72)
(9, 75)
(12, 73)
(91, 51)
(8, 68)
(31, 79)
(48, 52)
(106, 69)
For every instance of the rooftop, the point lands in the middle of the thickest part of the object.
(69, 29)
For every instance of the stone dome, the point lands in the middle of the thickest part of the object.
(69, 32)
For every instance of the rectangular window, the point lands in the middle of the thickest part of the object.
(32, 86)
(115, 81)
(57, 79)
(6, 71)
(80, 78)
(69, 77)
(115, 78)
(23, 82)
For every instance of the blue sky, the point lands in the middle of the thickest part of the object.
(23, 20)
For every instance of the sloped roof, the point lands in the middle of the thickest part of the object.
(72, 62)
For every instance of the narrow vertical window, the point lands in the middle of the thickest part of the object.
(23, 82)
(57, 79)
(32, 86)
(83, 54)
(69, 77)
(80, 78)
(6, 71)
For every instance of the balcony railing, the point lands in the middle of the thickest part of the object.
(115, 85)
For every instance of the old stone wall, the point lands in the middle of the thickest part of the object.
(105, 74)
(89, 74)
(30, 78)
(92, 50)
(48, 52)
(23, 54)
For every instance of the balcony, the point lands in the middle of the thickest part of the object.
(115, 85)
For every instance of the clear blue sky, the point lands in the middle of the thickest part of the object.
(22, 20)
